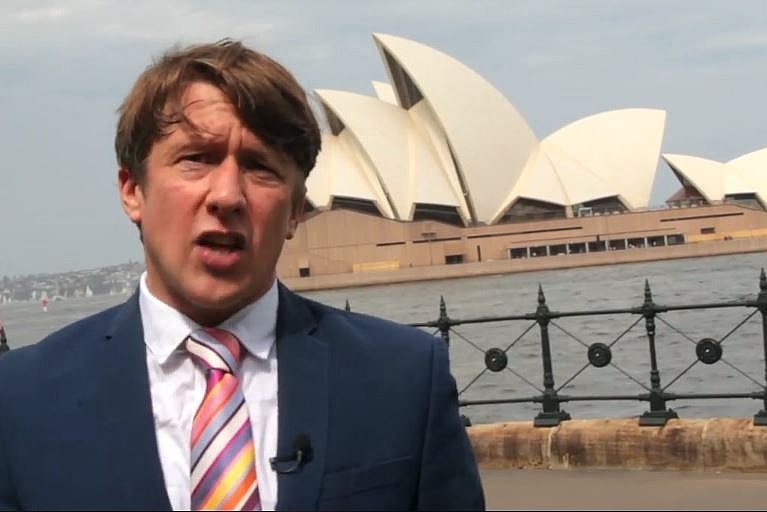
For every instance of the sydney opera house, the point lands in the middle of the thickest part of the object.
(438, 168)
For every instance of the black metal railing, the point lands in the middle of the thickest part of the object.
(708, 351)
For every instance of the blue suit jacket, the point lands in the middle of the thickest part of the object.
(376, 400)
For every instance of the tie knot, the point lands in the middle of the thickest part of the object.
(215, 348)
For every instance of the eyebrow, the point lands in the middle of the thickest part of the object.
(194, 140)
(194, 135)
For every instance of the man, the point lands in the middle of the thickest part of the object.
(214, 386)
(3, 339)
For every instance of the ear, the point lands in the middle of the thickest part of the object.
(131, 196)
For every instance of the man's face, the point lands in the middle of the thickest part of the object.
(215, 207)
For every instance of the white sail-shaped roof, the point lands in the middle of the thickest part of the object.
(580, 183)
(734, 182)
(752, 167)
(385, 92)
(441, 135)
(608, 154)
(341, 171)
(619, 148)
(428, 127)
(703, 174)
(715, 181)
(407, 171)
(490, 140)
(539, 182)
(380, 130)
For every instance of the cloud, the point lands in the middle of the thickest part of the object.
(73, 22)
(41, 14)
(68, 63)
(21, 15)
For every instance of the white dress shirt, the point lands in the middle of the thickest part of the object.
(177, 387)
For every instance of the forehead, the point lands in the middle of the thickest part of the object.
(210, 117)
(207, 107)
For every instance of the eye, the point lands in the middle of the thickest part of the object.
(259, 168)
(199, 158)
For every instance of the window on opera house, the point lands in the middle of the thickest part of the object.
(438, 212)
(605, 205)
(355, 204)
(525, 209)
(747, 200)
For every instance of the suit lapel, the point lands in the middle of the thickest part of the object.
(125, 403)
(302, 362)
(126, 407)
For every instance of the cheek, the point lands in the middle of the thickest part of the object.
(273, 212)
(167, 210)
(276, 222)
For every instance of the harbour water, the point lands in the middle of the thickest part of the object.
(675, 282)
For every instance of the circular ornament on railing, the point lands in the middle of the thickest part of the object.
(496, 359)
(600, 355)
(708, 350)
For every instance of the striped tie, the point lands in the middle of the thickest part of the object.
(223, 453)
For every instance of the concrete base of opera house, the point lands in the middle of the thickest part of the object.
(435, 272)
(716, 444)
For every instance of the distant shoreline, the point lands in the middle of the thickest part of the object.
(129, 273)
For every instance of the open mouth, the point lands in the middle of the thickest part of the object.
(221, 241)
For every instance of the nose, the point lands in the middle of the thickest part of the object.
(225, 195)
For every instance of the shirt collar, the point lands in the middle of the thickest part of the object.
(165, 328)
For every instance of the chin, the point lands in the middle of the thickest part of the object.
(209, 311)
(221, 299)
(222, 294)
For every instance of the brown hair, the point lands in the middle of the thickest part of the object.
(267, 97)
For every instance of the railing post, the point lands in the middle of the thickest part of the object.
(443, 322)
(551, 415)
(760, 418)
(658, 414)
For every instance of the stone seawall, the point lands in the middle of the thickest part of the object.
(717, 444)
(499, 267)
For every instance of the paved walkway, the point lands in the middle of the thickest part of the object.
(581, 489)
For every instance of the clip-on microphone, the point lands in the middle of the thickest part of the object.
(302, 455)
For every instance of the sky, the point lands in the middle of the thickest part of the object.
(65, 66)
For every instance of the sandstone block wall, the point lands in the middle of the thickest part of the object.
(718, 444)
